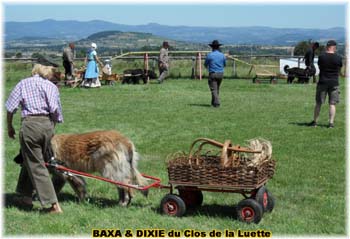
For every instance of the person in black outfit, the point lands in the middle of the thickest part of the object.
(68, 58)
(330, 64)
(309, 59)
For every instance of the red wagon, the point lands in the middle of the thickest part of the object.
(223, 172)
(191, 174)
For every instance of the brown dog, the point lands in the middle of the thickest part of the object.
(106, 152)
(110, 79)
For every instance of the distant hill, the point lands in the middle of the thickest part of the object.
(75, 30)
(132, 40)
(108, 43)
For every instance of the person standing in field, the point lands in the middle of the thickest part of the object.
(215, 62)
(330, 64)
(163, 63)
(41, 110)
(92, 72)
(309, 59)
(68, 58)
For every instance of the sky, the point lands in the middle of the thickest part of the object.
(223, 14)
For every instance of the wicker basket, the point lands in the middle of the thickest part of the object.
(227, 170)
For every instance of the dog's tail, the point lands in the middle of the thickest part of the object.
(285, 68)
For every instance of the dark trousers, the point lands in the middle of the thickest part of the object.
(214, 83)
(163, 73)
(68, 68)
(313, 73)
(35, 136)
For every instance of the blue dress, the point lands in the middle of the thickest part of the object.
(92, 68)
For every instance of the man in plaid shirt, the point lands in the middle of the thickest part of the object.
(41, 110)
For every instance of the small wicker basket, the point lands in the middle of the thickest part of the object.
(229, 169)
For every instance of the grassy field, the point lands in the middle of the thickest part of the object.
(309, 183)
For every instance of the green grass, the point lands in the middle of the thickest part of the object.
(309, 183)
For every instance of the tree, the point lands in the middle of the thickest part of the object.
(37, 55)
(80, 53)
(301, 48)
(18, 55)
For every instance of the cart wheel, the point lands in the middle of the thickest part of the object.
(264, 197)
(273, 80)
(270, 202)
(249, 210)
(254, 79)
(192, 198)
(173, 205)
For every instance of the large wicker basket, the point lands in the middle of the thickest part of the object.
(229, 169)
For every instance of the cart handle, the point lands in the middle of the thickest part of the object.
(155, 183)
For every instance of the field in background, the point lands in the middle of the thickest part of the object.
(309, 183)
(179, 68)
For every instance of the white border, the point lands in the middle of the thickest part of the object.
(186, 2)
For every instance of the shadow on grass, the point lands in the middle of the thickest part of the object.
(213, 210)
(306, 124)
(10, 201)
(95, 201)
(200, 105)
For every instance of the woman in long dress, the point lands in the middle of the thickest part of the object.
(92, 72)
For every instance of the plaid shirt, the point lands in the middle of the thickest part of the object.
(36, 95)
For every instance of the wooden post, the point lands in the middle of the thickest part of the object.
(199, 65)
(195, 67)
(145, 65)
(234, 68)
(193, 71)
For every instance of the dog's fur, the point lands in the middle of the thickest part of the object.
(106, 152)
(110, 79)
(303, 75)
(133, 76)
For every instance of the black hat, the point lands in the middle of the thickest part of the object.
(165, 44)
(331, 43)
(46, 62)
(215, 43)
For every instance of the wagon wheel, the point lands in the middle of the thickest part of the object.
(270, 202)
(273, 80)
(249, 210)
(173, 205)
(254, 79)
(265, 199)
(192, 198)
